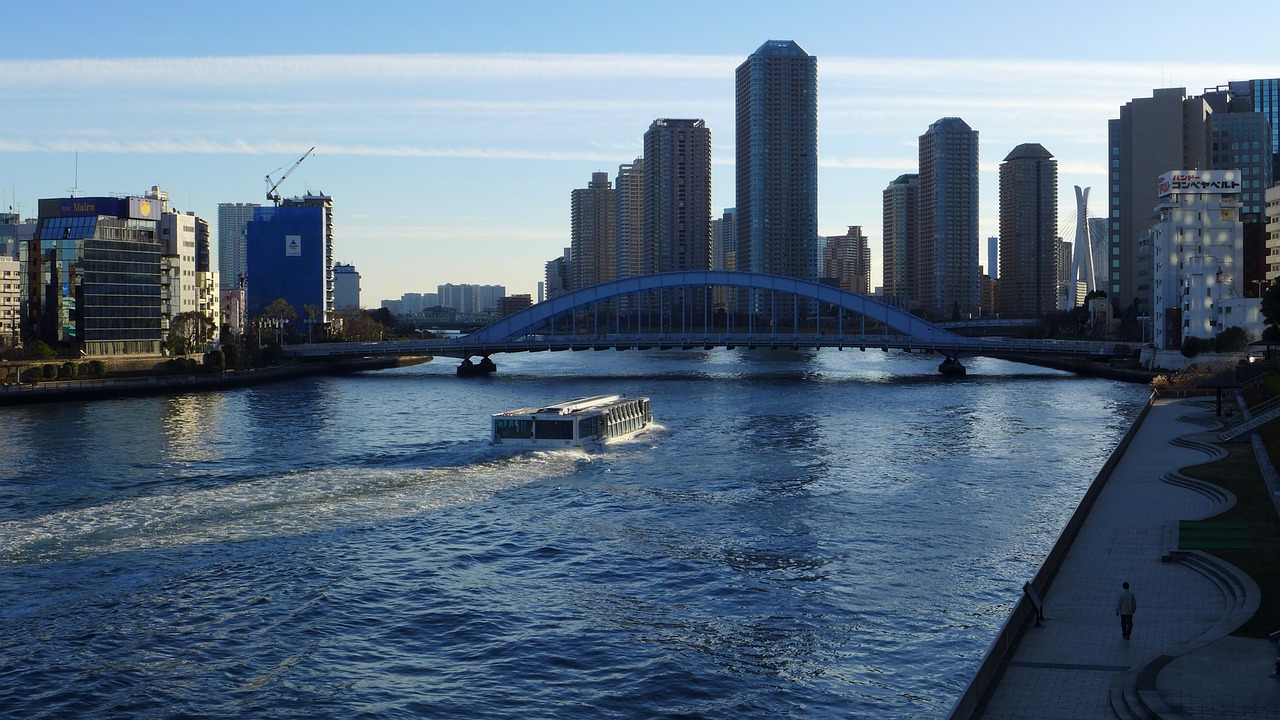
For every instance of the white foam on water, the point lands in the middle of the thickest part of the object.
(289, 504)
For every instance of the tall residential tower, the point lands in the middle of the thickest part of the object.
(777, 161)
(948, 259)
(1028, 232)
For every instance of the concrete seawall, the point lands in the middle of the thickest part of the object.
(1181, 660)
(113, 387)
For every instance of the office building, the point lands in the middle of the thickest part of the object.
(1029, 282)
(1273, 239)
(993, 255)
(346, 287)
(92, 276)
(948, 259)
(593, 231)
(1197, 249)
(847, 261)
(776, 102)
(1152, 136)
(901, 238)
(290, 257)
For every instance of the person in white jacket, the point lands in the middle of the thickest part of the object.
(1126, 604)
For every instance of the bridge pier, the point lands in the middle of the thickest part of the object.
(480, 369)
(951, 367)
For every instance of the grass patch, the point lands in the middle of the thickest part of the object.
(1238, 472)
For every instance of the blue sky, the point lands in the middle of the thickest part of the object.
(451, 134)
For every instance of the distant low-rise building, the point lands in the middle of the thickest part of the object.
(346, 287)
(513, 304)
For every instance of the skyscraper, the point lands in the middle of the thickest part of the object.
(948, 260)
(777, 161)
(592, 232)
(629, 216)
(901, 240)
(677, 196)
(1028, 233)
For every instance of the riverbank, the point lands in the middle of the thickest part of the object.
(1182, 658)
(133, 383)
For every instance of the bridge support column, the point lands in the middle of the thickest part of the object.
(480, 369)
(951, 367)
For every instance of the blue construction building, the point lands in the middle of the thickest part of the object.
(289, 255)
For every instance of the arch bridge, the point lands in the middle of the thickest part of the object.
(708, 309)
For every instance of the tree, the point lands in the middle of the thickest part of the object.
(1271, 308)
(275, 318)
(1233, 339)
(188, 332)
(357, 326)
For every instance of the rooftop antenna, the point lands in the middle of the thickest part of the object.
(76, 187)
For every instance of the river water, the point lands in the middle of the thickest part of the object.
(803, 534)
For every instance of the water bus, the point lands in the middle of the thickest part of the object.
(582, 422)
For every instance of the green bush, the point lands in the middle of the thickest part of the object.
(49, 371)
(31, 375)
(232, 355)
(95, 368)
(1233, 339)
(215, 360)
(68, 371)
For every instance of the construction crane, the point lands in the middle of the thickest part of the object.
(274, 196)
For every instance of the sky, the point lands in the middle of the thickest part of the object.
(450, 135)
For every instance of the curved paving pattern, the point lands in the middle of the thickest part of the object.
(1180, 662)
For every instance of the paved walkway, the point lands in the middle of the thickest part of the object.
(1181, 661)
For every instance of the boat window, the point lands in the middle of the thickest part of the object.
(554, 429)
(512, 428)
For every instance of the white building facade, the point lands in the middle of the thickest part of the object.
(1197, 250)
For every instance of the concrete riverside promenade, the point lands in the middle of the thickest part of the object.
(1181, 661)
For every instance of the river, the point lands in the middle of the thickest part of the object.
(802, 534)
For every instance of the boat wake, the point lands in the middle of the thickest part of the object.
(294, 503)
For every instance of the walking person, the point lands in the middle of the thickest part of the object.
(1126, 604)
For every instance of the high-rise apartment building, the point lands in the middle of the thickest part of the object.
(1028, 233)
(899, 255)
(232, 251)
(847, 261)
(593, 231)
(629, 236)
(776, 98)
(724, 240)
(948, 258)
(559, 275)
(993, 257)
(677, 196)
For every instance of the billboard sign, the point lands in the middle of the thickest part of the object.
(293, 246)
(1218, 182)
